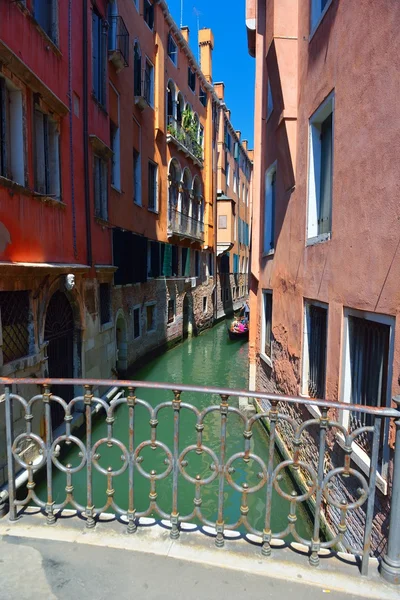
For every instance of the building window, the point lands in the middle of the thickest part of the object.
(45, 13)
(318, 9)
(228, 139)
(47, 157)
(204, 303)
(320, 171)
(227, 170)
(149, 83)
(172, 49)
(100, 188)
(270, 106)
(151, 317)
(269, 210)
(197, 263)
(171, 310)
(137, 178)
(203, 96)
(266, 347)
(210, 264)
(222, 222)
(236, 263)
(136, 322)
(137, 70)
(15, 321)
(116, 164)
(186, 262)
(148, 13)
(105, 303)
(153, 259)
(99, 54)
(152, 203)
(191, 79)
(314, 350)
(368, 359)
(12, 163)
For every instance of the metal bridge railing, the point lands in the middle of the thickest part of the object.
(319, 473)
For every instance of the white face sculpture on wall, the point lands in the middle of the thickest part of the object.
(69, 281)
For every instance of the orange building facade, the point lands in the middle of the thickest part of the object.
(324, 271)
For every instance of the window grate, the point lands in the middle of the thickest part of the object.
(105, 303)
(317, 351)
(15, 317)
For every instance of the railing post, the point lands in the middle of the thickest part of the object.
(10, 457)
(390, 566)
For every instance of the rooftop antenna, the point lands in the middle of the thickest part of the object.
(181, 14)
(197, 13)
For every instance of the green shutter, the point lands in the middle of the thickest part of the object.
(187, 264)
(167, 262)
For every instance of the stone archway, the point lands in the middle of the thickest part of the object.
(121, 342)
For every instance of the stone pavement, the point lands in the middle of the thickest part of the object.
(65, 561)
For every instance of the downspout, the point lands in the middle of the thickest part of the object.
(71, 151)
(86, 135)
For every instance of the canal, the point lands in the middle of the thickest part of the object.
(209, 359)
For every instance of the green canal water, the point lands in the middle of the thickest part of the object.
(209, 359)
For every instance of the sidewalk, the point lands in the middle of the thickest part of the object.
(65, 561)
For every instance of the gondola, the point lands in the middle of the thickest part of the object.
(238, 335)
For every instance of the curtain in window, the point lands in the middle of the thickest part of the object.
(324, 217)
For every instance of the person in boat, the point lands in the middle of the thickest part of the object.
(246, 310)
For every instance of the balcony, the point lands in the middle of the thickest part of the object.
(118, 43)
(185, 140)
(184, 226)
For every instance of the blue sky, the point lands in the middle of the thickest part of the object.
(232, 63)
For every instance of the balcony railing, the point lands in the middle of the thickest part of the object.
(185, 226)
(327, 473)
(184, 139)
(118, 42)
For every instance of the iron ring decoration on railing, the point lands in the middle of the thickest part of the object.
(54, 454)
(240, 488)
(153, 444)
(306, 467)
(28, 437)
(110, 442)
(207, 450)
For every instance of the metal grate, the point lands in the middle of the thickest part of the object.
(316, 351)
(14, 307)
(105, 303)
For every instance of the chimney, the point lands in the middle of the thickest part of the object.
(245, 144)
(185, 33)
(219, 89)
(228, 114)
(239, 135)
(206, 43)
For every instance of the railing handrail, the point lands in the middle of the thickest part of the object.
(124, 383)
(190, 218)
(121, 33)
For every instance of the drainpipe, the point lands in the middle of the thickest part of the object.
(86, 134)
(71, 152)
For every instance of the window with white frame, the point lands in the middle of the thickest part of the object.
(46, 14)
(172, 49)
(152, 199)
(137, 178)
(12, 163)
(227, 170)
(100, 169)
(266, 344)
(270, 102)
(269, 210)
(367, 368)
(99, 55)
(151, 316)
(314, 349)
(320, 171)
(136, 322)
(47, 155)
(149, 83)
(148, 13)
(318, 9)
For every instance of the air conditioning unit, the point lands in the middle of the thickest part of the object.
(193, 282)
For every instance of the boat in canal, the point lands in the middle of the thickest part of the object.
(234, 334)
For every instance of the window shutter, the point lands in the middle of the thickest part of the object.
(155, 259)
(167, 265)
(95, 53)
(187, 264)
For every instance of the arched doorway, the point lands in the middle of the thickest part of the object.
(122, 344)
(59, 333)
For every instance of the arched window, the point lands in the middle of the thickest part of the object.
(174, 178)
(171, 103)
(137, 70)
(198, 208)
(185, 193)
(179, 108)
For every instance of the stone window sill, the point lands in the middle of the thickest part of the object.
(318, 239)
(266, 359)
(106, 326)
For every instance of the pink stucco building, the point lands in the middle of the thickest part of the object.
(325, 245)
